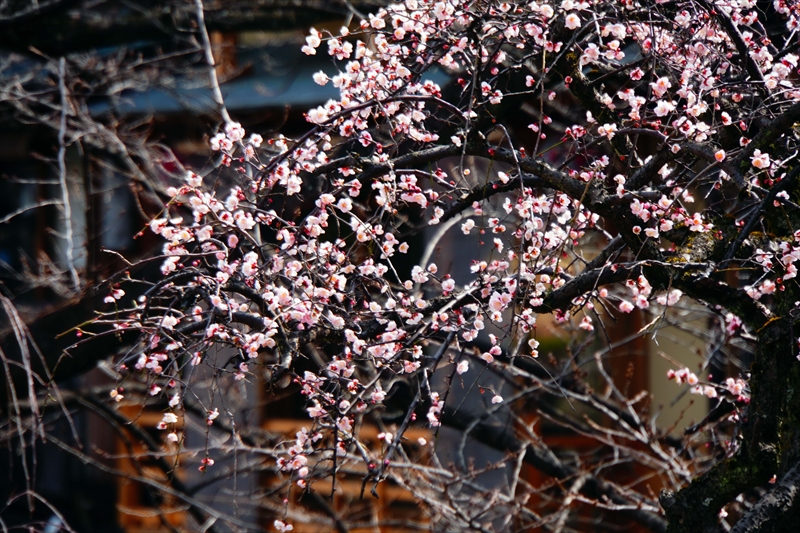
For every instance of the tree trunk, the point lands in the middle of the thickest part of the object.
(768, 445)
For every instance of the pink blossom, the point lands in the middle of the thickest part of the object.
(760, 160)
(660, 86)
(625, 306)
(282, 526)
(572, 21)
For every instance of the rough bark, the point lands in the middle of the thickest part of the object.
(769, 444)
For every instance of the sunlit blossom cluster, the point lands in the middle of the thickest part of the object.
(313, 241)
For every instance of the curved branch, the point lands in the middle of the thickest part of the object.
(645, 174)
(764, 138)
(777, 509)
(735, 35)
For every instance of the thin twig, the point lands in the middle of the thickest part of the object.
(212, 67)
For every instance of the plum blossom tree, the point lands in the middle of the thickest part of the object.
(611, 158)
